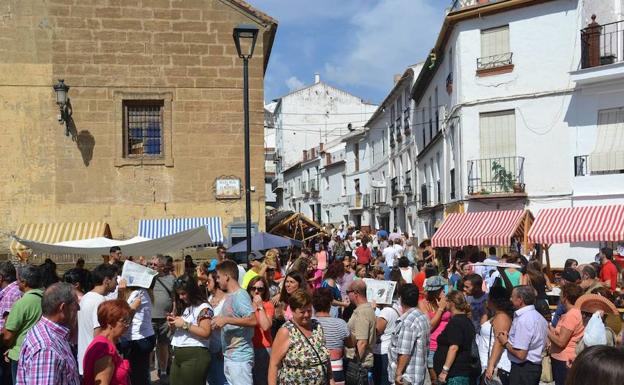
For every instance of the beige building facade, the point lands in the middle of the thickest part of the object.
(157, 113)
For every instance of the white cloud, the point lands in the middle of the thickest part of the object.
(387, 38)
(293, 83)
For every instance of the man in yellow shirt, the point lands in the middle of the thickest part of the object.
(258, 267)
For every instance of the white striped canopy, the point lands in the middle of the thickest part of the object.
(579, 224)
(485, 228)
(58, 232)
(158, 228)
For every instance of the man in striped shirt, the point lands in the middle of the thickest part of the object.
(46, 357)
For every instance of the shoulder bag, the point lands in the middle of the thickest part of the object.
(495, 379)
(356, 374)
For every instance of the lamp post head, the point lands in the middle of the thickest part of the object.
(61, 90)
(245, 36)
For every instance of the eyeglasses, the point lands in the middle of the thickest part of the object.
(126, 321)
(258, 288)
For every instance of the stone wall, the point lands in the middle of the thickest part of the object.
(107, 50)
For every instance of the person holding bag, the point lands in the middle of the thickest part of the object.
(298, 356)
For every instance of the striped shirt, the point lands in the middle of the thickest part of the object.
(8, 296)
(335, 330)
(410, 337)
(46, 357)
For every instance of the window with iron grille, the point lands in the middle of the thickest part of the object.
(143, 128)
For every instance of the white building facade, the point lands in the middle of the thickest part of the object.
(515, 116)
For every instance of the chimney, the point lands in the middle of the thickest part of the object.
(317, 78)
(397, 77)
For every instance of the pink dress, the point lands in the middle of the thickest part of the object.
(433, 340)
(102, 347)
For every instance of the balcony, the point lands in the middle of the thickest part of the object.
(304, 189)
(605, 164)
(314, 187)
(358, 201)
(496, 176)
(396, 187)
(277, 184)
(602, 53)
(407, 187)
(460, 4)
(399, 134)
(406, 128)
(449, 83)
(379, 195)
(495, 64)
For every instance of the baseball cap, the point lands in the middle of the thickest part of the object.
(571, 275)
(255, 256)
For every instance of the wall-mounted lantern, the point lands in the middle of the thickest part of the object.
(62, 100)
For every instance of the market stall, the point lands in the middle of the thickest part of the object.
(577, 224)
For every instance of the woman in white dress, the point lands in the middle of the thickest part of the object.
(494, 360)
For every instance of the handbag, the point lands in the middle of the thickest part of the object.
(547, 374)
(323, 364)
(356, 374)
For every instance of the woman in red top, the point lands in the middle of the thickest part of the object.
(258, 290)
(102, 363)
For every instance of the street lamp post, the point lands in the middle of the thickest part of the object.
(245, 36)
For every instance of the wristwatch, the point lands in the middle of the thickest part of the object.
(185, 326)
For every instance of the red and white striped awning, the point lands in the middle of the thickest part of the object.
(485, 228)
(578, 224)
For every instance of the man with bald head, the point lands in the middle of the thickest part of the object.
(361, 324)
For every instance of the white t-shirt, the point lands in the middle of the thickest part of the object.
(142, 322)
(87, 322)
(241, 274)
(389, 253)
(390, 314)
(184, 338)
(399, 249)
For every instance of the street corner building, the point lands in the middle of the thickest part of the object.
(152, 126)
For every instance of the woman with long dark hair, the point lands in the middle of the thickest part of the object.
(190, 341)
(334, 273)
(292, 282)
(494, 361)
(258, 290)
(536, 278)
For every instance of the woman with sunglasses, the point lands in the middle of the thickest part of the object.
(102, 363)
(262, 339)
(190, 341)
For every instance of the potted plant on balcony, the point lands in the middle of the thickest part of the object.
(503, 177)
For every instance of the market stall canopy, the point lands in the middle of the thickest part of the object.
(485, 228)
(579, 224)
(137, 246)
(158, 228)
(58, 232)
(292, 225)
(263, 241)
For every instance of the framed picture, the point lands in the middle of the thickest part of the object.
(228, 188)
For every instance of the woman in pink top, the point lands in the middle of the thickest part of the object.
(434, 305)
(102, 363)
(567, 334)
(321, 258)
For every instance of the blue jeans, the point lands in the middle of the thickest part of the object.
(380, 369)
(14, 371)
(260, 369)
(215, 374)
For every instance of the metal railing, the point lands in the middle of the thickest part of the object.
(494, 61)
(304, 187)
(406, 125)
(407, 186)
(581, 163)
(601, 164)
(358, 201)
(314, 186)
(277, 184)
(396, 186)
(496, 175)
(602, 44)
(399, 134)
(379, 195)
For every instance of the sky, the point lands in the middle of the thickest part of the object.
(355, 45)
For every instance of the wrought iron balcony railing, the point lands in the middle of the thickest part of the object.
(496, 175)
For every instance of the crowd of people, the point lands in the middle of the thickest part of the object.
(305, 316)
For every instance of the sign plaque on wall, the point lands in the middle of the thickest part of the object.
(228, 188)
